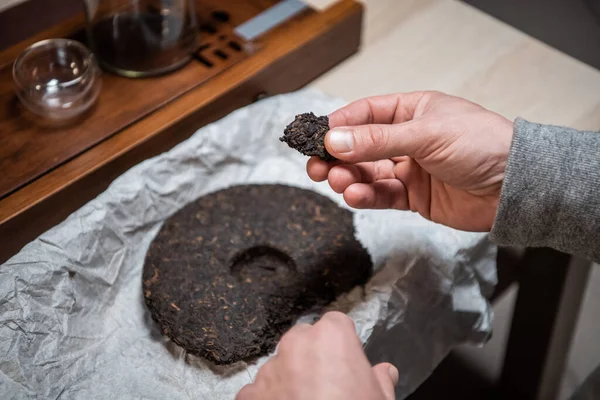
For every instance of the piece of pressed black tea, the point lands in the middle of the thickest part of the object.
(307, 135)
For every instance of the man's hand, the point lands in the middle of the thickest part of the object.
(441, 156)
(324, 361)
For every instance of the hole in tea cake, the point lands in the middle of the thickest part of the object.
(267, 262)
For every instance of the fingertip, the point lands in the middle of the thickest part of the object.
(388, 372)
(359, 195)
(388, 378)
(394, 374)
(342, 176)
(339, 142)
(317, 169)
(383, 194)
(339, 318)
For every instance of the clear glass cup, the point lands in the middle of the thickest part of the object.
(57, 79)
(138, 38)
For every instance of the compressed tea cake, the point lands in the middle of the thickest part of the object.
(228, 274)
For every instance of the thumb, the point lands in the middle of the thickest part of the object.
(387, 376)
(375, 142)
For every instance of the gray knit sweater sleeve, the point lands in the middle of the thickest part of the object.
(551, 191)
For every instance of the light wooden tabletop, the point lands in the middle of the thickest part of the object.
(450, 46)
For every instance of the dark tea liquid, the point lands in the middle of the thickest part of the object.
(138, 44)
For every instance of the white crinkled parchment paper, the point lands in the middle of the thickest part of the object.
(88, 335)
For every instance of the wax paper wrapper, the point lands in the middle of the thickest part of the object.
(73, 324)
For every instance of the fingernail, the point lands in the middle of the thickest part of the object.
(394, 375)
(341, 140)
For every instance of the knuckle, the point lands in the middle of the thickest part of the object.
(291, 339)
(378, 137)
(338, 320)
(343, 115)
(366, 104)
(434, 94)
(264, 372)
(285, 343)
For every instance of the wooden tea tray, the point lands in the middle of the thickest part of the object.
(121, 103)
(49, 173)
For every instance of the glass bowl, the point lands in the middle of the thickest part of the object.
(57, 79)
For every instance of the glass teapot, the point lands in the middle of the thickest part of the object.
(138, 38)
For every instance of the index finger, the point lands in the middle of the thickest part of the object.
(318, 169)
(387, 109)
